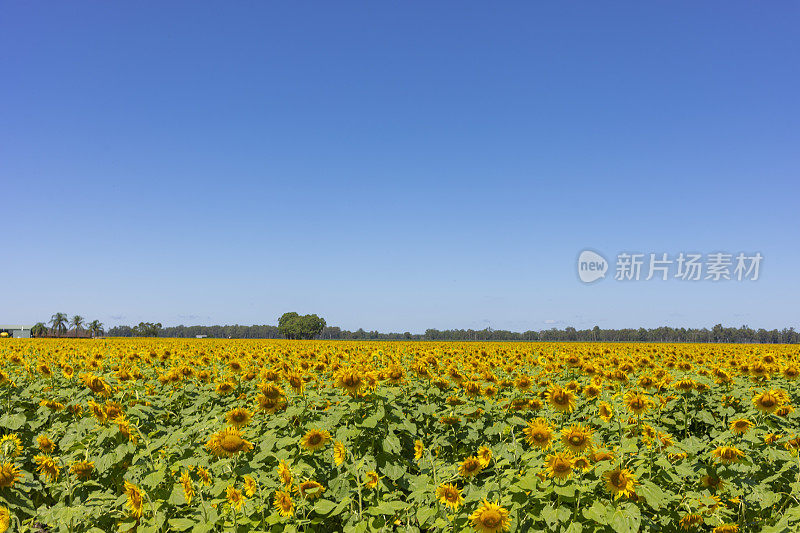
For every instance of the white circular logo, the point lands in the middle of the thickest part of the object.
(591, 266)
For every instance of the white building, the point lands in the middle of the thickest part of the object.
(18, 332)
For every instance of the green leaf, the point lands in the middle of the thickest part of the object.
(324, 506)
(181, 524)
(597, 513)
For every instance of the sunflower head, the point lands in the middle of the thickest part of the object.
(470, 467)
(47, 467)
(82, 469)
(577, 438)
(10, 445)
(539, 433)
(235, 497)
(238, 417)
(741, 426)
(449, 495)
(283, 503)
(490, 517)
(315, 439)
(727, 454)
(9, 474)
(562, 400)
(620, 482)
(228, 442)
(135, 501)
(559, 465)
(310, 489)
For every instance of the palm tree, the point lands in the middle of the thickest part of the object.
(96, 327)
(59, 322)
(77, 322)
(39, 330)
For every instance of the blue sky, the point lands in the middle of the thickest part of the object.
(395, 166)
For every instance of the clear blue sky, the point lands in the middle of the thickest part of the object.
(395, 165)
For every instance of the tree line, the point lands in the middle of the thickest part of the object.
(718, 333)
(63, 326)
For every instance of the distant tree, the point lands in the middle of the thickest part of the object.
(77, 323)
(39, 330)
(294, 326)
(59, 323)
(146, 329)
(96, 327)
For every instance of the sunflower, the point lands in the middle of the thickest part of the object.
(449, 495)
(562, 400)
(188, 488)
(470, 466)
(9, 474)
(225, 388)
(419, 448)
(227, 443)
(490, 517)
(135, 500)
(685, 385)
(772, 438)
(269, 405)
(726, 528)
(637, 403)
(605, 411)
(308, 490)
(235, 497)
(285, 473)
(10, 445)
(768, 401)
(582, 463)
(125, 428)
(204, 476)
(620, 482)
(450, 420)
(577, 438)
(524, 383)
(339, 453)
(592, 391)
(47, 467)
(315, 439)
(283, 503)
(727, 454)
(238, 417)
(5, 519)
(691, 521)
(741, 426)
(372, 480)
(250, 486)
(350, 381)
(98, 411)
(296, 381)
(82, 469)
(539, 433)
(711, 481)
(45, 444)
(559, 465)
(484, 456)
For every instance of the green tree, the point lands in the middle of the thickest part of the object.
(294, 326)
(77, 323)
(146, 329)
(96, 327)
(39, 330)
(59, 323)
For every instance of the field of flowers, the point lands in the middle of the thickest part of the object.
(227, 435)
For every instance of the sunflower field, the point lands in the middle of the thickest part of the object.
(209, 435)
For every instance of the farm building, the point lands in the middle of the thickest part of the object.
(19, 332)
